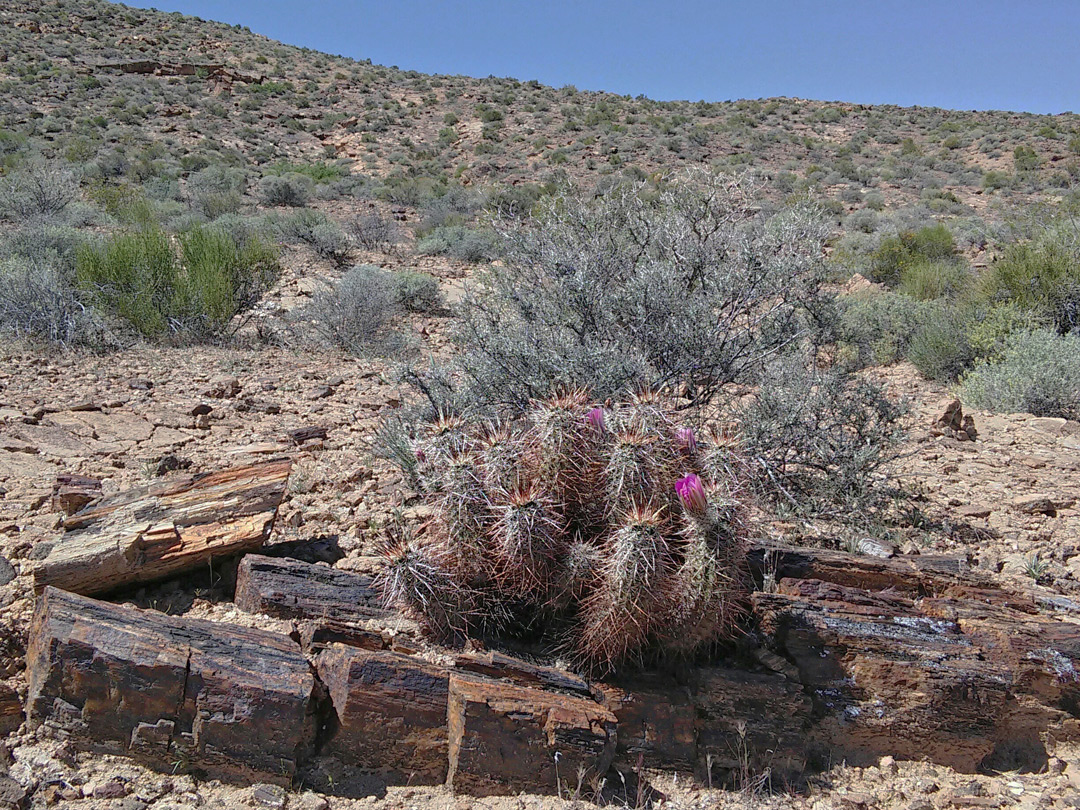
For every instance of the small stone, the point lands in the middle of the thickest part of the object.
(223, 388)
(1055, 765)
(1034, 504)
(310, 801)
(202, 409)
(888, 766)
(115, 788)
(12, 794)
(974, 511)
(269, 796)
(140, 384)
(7, 572)
(322, 392)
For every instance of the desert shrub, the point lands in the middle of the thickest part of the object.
(1041, 276)
(291, 190)
(926, 280)
(939, 348)
(612, 533)
(459, 242)
(689, 288)
(932, 243)
(1036, 372)
(216, 190)
(43, 244)
(418, 292)
(316, 230)
(37, 189)
(372, 230)
(38, 302)
(821, 439)
(358, 312)
(319, 172)
(189, 292)
(879, 326)
(989, 329)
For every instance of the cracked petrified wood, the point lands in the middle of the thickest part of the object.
(389, 713)
(504, 738)
(156, 531)
(179, 694)
(291, 589)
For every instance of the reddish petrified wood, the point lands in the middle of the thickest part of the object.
(960, 682)
(389, 713)
(232, 702)
(156, 531)
(506, 738)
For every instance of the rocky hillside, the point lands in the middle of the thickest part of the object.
(148, 94)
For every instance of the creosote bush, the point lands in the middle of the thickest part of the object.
(610, 533)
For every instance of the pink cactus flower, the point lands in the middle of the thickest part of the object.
(685, 440)
(595, 418)
(692, 494)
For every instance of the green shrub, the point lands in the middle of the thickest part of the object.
(639, 287)
(933, 243)
(988, 331)
(37, 189)
(315, 229)
(418, 292)
(216, 190)
(190, 293)
(879, 326)
(927, 280)
(1042, 277)
(320, 172)
(38, 302)
(1037, 372)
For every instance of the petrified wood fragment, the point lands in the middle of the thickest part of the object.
(506, 738)
(232, 702)
(389, 713)
(155, 531)
(291, 589)
(954, 680)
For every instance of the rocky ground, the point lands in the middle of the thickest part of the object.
(1009, 498)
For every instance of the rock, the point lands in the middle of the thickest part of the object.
(170, 463)
(506, 738)
(202, 409)
(140, 384)
(13, 796)
(7, 572)
(223, 388)
(952, 422)
(1033, 504)
(232, 701)
(974, 511)
(11, 715)
(888, 766)
(74, 492)
(268, 796)
(115, 788)
(306, 434)
(310, 801)
(389, 712)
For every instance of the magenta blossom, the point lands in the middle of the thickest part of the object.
(595, 417)
(685, 440)
(692, 494)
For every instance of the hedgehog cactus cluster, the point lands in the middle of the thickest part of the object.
(611, 532)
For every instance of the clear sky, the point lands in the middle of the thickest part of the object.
(962, 54)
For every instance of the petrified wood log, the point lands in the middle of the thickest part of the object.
(961, 682)
(291, 589)
(389, 713)
(505, 738)
(232, 702)
(74, 492)
(159, 530)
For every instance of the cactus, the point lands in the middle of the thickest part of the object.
(611, 532)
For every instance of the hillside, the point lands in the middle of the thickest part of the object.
(250, 101)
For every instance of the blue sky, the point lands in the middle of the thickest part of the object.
(962, 54)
